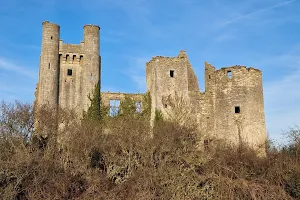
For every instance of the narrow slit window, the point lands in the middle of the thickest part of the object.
(206, 144)
(51, 37)
(74, 58)
(229, 74)
(70, 72)
(60, 58)
(91, 77)
(208, 76)
(172, 73)
(237, 109)
(49, 66)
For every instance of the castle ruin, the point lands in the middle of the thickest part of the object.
(231, 108)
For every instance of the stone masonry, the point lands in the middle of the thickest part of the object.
(231, 108)
(68, 72)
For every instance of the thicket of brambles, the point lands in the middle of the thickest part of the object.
(121, 157)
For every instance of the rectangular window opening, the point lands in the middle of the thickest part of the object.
(138, 107)
(91, 77)
(237, 109)
(70, 72)
(172, 73)
(74, 58)
(229, 74)
(80, 59)
(114, 105)
(49, 66)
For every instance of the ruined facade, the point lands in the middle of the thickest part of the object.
(231, 108)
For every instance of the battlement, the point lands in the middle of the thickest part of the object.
(240, 67)
(91, 25)
(71, 48)
(182, 55)
(49, 24)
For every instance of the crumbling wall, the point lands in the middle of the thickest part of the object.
(167, 76)
(107, 96)
(227, 91)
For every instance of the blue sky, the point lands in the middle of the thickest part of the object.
(262, 34)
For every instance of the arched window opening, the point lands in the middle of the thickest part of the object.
(60, 58)
(67, 58)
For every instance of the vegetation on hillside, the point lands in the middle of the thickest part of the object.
(94, 111)
(118, 158)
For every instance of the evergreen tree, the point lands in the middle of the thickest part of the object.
(94, 111)
(127, 106)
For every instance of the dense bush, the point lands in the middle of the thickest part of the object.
(120, 158)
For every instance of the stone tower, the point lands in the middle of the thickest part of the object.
(92, 61)
(235, 96)
(167, 75)
(68, 72)
(49, 65)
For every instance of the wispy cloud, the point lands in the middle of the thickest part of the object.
(256, 12)
(282, 105)
(282, 95)
(10, 66)
(136, 72)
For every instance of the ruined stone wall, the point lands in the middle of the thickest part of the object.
(208, 114)
(227, 91)
(69, 72)
(165, 76)
(107, 96)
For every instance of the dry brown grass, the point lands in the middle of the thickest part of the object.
(117, 159)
